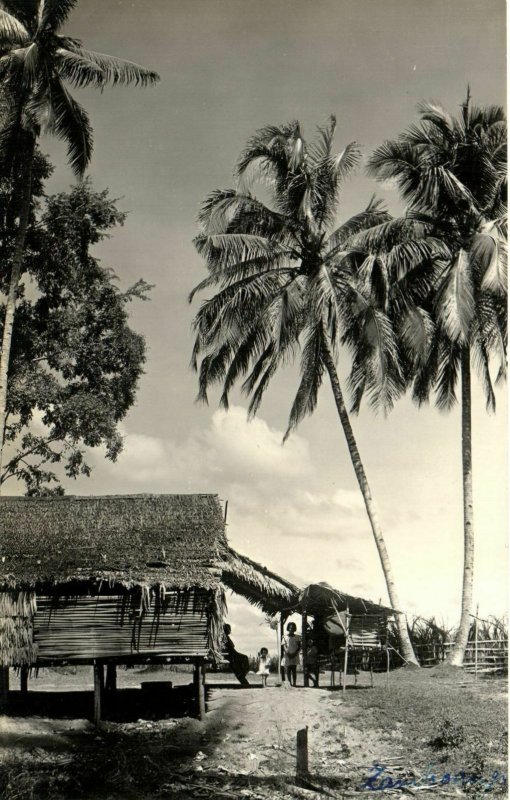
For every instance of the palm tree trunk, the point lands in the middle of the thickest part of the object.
(405, 642)
(25, 195)
(456, 657)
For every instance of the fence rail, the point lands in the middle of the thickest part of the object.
(484, 656)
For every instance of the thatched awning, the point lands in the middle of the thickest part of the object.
(134, 540)
(321, 599)
(257, 584)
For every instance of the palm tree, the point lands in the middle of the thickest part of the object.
(452, 174)
(36, 62)
(288, 279)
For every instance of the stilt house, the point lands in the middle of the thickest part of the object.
(120, 580)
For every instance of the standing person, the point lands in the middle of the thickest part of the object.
(263, 665)
(311, 662)
(291, 647)
(239, 663)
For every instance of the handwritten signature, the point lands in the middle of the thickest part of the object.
(378, 781)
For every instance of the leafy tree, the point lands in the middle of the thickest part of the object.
(288, 278)
(75, 362)
(36, 63)
(452, 174)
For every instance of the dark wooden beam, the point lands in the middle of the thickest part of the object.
(98, 691)
(199, 685)
(111, 677)
(23, 679)
(4, 688)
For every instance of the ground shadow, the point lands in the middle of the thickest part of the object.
(123, 705)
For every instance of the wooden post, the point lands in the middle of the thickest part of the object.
(346, 654)
(302, 754)
(23, 679)
(111, 677)
(4, 689)
(304, 648)
(98, 691)
(476, 645)
(279, 644)
(282, 668)
(199, 688)
(201, 691)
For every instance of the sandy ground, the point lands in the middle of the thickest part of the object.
(246, 746)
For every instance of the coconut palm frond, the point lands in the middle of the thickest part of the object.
(374, 214)
(312, 373)
(440, 118)
(481, 360)
(77, 70)
(489, 256)
(70, 122)
(396, 163)
(455, 302)
(415, 332)
(224, 250)
(414, 253)
(26, 11)
(12, 30)
(212, 370)
(53, 13)
(116, 70)
(249, 350)
(447, 375)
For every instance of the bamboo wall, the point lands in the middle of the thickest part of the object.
(111, 626)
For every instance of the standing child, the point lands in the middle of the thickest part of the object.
(291, 646)
(263, 665)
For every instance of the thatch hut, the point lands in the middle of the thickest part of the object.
(120, 580)
(356, 628)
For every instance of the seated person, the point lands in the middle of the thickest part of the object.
(239, 663)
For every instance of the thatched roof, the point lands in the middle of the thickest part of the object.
(322, 599)
(173, 540)
(258, 584)
(176, 540)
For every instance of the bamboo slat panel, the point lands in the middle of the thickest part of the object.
(78, 628)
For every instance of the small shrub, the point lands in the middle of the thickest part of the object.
(448, 735)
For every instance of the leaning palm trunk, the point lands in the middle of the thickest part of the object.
(456, 657)
(10, 307)
(405, 642)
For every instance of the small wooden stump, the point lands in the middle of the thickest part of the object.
(302, 755)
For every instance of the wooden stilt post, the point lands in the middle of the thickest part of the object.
(304, 648)
(4, 689)
(302, 754)
(282, 667)
(201, 691)
(23, 679)
(111, 677)
(98, 691)
(279, 644)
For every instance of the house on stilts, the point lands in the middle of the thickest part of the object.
(132, 579)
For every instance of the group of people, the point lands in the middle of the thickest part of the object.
(291, 651)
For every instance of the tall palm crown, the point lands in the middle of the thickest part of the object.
(285, 274)
(288, 279)
(452, 174)
(35, 65)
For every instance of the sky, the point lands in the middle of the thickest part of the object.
(227, 68)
